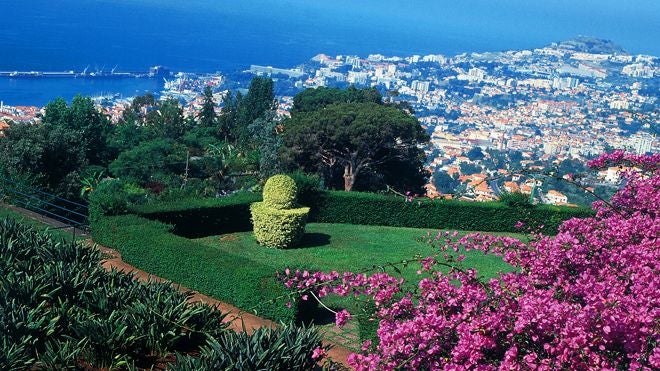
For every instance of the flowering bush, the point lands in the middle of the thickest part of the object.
(586, 298)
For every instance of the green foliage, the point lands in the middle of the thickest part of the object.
(345, 141)
(278, 228)
(475, 154)
(314, 99)
(113, 197)
(282, 349)
(444, 182)
(467, 168)
(280, 192)
(207, 116)
(515, 199)
(59, 307)
(264, 135)
(308, 186)
(374, 209)
(276, 222)
(151, 246)
(242, 111)
(150, 160)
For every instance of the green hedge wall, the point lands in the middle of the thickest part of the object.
(150, 246)
(203, 217)
(375, 209)
(196, 218)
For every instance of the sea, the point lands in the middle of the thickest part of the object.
(222, 35)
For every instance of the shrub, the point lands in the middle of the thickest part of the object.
(515, 199)
(113, 197)
(375, 209)
(280, 192)
(60, 309)
(195, 217)
(276, 223)
(285, 348)
(278, 228)
(309, 185)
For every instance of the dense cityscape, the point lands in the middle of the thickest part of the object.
(488, 114)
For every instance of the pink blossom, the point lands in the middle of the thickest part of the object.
(586, 298)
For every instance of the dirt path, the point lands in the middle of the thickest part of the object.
(237, 319)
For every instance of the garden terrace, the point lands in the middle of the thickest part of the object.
(206, 244)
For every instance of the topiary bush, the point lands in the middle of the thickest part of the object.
(276, 222)
(280, 192)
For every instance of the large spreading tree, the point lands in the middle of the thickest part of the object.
(358, 138)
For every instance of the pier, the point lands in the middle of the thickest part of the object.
(153, 72)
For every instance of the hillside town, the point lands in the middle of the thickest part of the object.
(491, 116)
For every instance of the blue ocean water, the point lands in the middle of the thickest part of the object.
(211, 35)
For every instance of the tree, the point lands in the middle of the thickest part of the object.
(167, 121)
(264, 134)
(468, 168)
(207, 116)
(475, 154)
(444, 182)
(158, 159)
(259, 100)
(228, 120)
(353, 136)
(314, 99)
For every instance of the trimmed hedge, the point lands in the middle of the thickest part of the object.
(205, 217)
(195, 218)
(278, 228)
(375, 209)
(150, 246)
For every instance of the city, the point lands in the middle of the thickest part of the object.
(566, 101)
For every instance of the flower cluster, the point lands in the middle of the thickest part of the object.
(586, 298)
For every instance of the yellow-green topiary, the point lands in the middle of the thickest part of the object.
(280, 192)
(277, 223)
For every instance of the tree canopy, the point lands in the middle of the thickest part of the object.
(355, 137)
(314, 99)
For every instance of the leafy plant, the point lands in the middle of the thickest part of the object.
(285, 348)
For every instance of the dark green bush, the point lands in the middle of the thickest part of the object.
(515, 199)
(58, 306)
(374, 209)
(308, 186)
(203, 217)
(281, 349)
(113, 197)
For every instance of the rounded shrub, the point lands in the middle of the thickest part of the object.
(277, 223)
(280, 192)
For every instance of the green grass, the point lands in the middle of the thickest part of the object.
(58, 233)
(345, 247)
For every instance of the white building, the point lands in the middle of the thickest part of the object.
(556, 198)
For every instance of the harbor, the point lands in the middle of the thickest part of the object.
(153, 72)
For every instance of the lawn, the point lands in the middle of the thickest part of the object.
(346, 247)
